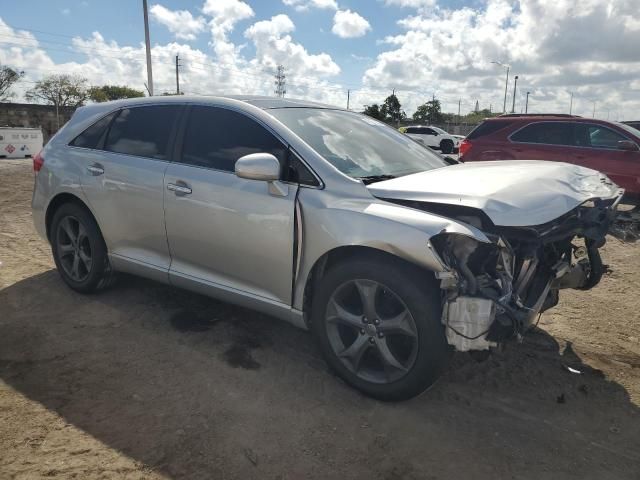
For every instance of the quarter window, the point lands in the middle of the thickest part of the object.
(217, 137)
(143, 131)
(93, 136)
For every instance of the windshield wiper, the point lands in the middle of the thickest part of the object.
(375, 178)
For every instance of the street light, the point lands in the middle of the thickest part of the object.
(506, 84)
(526, 105)
(515, 86)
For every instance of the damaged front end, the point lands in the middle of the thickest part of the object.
(494, 291)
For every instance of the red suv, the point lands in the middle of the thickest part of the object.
(609, 147)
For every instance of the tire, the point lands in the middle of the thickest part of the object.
(397, 284)
(446, 146)
(93, 275)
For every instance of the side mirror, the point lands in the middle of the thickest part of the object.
(627, 145)
(258, 166)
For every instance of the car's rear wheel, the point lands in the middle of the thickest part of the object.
(79, 250)
(378, 325)
(446, 146)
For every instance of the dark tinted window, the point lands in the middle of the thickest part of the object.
(550, 133)
(603, 137)
(93, 135)
(217, 137)
(429, 131)
(297, 172)
(143, 131)
(487, 128)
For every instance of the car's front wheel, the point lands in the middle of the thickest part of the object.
(378, 325)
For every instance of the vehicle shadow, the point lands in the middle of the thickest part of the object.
(195, 388)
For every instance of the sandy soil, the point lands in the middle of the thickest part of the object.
(146, 381)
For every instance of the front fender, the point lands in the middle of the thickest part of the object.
(329, 223)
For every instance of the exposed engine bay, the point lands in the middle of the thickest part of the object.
(495, 291)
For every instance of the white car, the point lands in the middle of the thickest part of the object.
(434, 137)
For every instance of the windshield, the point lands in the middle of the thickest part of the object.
(629, 129)
(357, 145)
(439, 130)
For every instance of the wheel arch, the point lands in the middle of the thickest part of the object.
(349, 252)
(62, 199)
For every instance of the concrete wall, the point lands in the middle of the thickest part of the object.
(32, 115)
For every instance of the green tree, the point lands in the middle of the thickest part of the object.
(429, 112)
(59, 90)
(107, 93)
(373, 111)
(391, 110)
(8, 76)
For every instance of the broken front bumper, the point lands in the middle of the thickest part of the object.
(493, 292)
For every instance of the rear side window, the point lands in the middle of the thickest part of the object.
(143, 131)
(550, 133)
(217, 137)
(412, 130)
(93, 136)
(487, 128)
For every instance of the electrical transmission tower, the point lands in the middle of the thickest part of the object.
(280, 82)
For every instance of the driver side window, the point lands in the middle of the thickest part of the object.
(216, 137)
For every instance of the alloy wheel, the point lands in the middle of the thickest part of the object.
(371, 331)
(73, 248)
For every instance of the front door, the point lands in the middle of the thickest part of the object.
(223, 231)
(123, 180)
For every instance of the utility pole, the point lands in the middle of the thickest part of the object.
(148, 45)
(571, 104)
(280, 82)
(506, 85)
(177, 75)
(594, 110)
(459, 118)
(526, 105)
(515, 87)
(348, 98)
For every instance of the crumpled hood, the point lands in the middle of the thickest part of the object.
(513, 193)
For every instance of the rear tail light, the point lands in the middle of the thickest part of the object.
(464, 147)
(38, 161)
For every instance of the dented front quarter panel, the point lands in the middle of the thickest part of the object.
(330, 221)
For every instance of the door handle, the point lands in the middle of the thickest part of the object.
(95, 169)
(179, 189)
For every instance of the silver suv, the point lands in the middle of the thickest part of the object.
(322, 217)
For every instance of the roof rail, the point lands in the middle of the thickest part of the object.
(538, 115)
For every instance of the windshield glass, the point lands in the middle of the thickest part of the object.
(439, 130)
(357, 145)
(629, 128)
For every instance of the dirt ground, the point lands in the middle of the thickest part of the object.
(147, 381)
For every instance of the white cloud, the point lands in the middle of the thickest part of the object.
(302, 5)
(225, 14)
(348, 24)
(555, 46)
(274, 46)
(179, 22)
(417, 4)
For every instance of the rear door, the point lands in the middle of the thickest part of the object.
(228, 233)
(550, 141)
(123, 180)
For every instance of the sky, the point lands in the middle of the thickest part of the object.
(417, 48)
